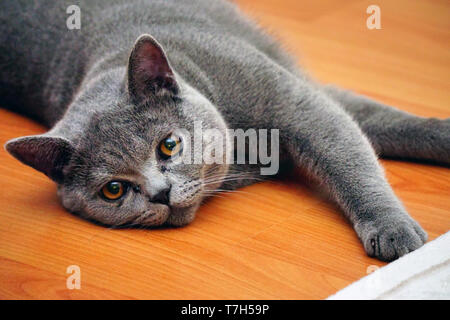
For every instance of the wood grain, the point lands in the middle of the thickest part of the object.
(275, 240)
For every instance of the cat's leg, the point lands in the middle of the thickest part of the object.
(395, 133)
(321, 137)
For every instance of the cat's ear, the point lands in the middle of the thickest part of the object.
(44, 153)
(149, 71)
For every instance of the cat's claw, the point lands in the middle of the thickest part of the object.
(390, 239)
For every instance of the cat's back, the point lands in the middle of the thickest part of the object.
(36, 49)
(43, 62)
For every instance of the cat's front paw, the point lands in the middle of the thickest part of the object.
(392, 237)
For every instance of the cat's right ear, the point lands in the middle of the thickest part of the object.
(149, 71)
(43, 153)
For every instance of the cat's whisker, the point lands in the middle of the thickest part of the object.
(205, 183)
(232, 175)
(213, 195)
(226, 191)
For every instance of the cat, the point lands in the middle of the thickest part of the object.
(114, 92)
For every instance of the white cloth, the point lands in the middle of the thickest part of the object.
(421, 274)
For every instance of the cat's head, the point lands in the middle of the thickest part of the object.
(129, 164)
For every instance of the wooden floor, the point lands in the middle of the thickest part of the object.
(276, 240)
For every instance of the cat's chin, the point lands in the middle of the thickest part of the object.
(180, 217)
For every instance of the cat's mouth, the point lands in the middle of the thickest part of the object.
(155, 216)
(166, 215)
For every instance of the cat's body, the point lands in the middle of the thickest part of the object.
(113, 111)
(189, 31)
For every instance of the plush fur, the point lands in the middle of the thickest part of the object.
(138, 70)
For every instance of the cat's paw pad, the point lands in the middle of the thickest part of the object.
(393, 238)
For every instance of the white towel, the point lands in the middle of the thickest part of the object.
(421, 274)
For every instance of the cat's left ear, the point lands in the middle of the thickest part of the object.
(149, 71)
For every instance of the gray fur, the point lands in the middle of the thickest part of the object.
(228, 74)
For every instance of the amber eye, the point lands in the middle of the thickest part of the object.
(113, 190)
(169, 147)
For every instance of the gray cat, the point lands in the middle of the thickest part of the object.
(114, 104)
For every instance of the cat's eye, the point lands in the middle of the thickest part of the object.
(169, 147)
(113, 190)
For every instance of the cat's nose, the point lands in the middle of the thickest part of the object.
(162, 196)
